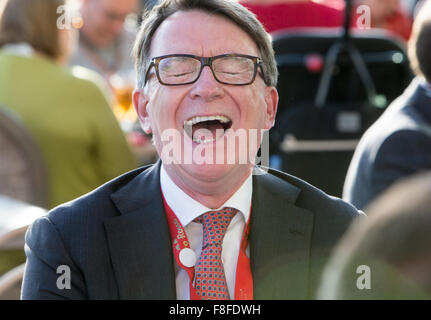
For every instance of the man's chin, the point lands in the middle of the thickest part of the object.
(213, 173)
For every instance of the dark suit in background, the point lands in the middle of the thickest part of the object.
(117, 244)
(396, 146)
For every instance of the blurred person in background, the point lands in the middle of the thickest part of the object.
(106, 37)
(282, 14)
(388, 255)
(67, 113)
(399, 143)
(105, 42)
(389, 15)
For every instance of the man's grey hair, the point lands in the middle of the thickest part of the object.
(230, 9)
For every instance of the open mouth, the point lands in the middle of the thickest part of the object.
(207, 129)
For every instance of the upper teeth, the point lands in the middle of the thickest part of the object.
(195, 120)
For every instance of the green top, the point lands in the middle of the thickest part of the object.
(71, 120)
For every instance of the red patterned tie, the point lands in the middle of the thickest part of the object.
(210, 280)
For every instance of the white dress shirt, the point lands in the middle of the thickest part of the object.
(187, 209)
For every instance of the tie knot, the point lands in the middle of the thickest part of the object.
(215, 224)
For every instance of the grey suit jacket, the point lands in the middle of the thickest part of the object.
(396, 146)
(117, 245)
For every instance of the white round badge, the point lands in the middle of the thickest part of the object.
(187, 257)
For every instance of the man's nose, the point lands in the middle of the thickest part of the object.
(207, 87)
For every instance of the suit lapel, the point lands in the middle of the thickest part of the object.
(280, 238)
(141, 252)
(139, 240)
(420, 101)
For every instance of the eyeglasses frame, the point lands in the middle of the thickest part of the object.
(205, 61)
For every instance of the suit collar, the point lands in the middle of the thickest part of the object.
(139, 240)
(421, 99)
(280, 238)
(141, 252)
(187, 208)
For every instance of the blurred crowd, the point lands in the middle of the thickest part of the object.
(395, 16)
(68, 79)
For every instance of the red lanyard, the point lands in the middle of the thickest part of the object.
(244, 279)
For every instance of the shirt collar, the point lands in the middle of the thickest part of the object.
(187, 209)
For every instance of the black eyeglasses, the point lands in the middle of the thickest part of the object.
(180, 69)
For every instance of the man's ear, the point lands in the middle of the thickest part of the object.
(141, 102)
(271, 99)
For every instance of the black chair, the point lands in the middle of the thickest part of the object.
(384, 56)
(333, 85)
(22, 169)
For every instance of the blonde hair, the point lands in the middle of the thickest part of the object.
(33, 22)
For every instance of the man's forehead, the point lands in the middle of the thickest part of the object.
(198, 26)
(181, 19)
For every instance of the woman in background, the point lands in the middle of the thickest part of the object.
(66, 111)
